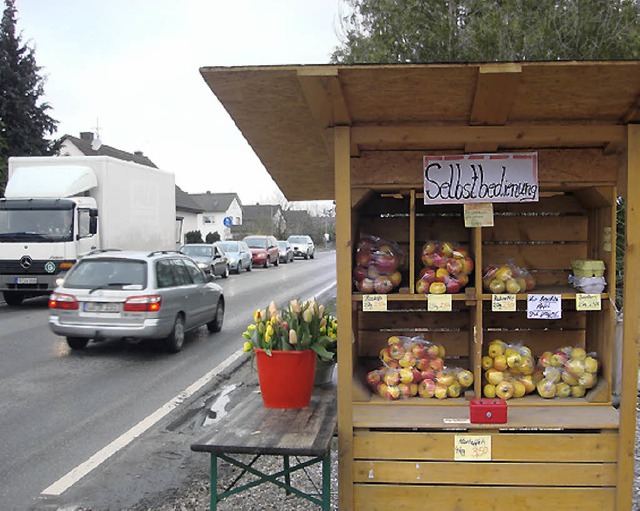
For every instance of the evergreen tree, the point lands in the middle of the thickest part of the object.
(23, 115)
(395, 31)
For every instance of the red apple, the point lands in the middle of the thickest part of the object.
(396, 351)
(422, 364)
(359, 273)
(373, 378)
(463, 280)
(467, 265)
(373, 272)
(386, 263)
(392, 378)
(453, 286)
(428, 274)
(365, 286)
(439, 260)
(364, 257)
(436, 364)
(427, 388)
(455, 266)
(429, 374)
(422, 287)
(382, 285)
(419, 350)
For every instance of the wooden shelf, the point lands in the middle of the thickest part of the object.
(401, 415)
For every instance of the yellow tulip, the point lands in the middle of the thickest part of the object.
(248, 347)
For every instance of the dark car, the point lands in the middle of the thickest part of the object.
(286, 251)
(303, 246)
(211, 258)
(135, 295)
(264, 250)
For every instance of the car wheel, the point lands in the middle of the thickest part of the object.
(266, 263)
(313, 255)
(226, 272)
(13, 297)
(238, 268)
(306, 256)
(77, 343)
(277, 261)
(175, 340)
(250, 267)
(215, 325)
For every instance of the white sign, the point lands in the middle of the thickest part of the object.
(499, 177)
(544, 306)
(472, 448)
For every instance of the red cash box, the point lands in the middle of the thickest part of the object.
(488, 411)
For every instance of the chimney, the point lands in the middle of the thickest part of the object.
(87, 136)
(138, 153)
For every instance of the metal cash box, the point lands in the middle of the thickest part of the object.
(488, 411)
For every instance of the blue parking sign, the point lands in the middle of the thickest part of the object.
(228, 222)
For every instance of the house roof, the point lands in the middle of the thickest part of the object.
(286, 112)
(104, 150)
(258, 211)
(215, 202)
(184, 202)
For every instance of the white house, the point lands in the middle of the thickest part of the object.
(219, 211)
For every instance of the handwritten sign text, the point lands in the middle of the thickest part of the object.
(472, 448)
(544, 306)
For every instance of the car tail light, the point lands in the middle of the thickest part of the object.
(150, 303)
(63, 301)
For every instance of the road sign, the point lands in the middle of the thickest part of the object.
(228, 221)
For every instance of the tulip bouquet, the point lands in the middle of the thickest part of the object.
(299, 326)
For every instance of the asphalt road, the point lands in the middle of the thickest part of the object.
(59, 408)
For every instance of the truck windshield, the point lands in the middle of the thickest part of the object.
(36, 225)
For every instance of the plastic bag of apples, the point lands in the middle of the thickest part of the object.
(412, 367)
(508, 370)
(507, 278)
(566, 372)
(377, 265)
(446, 269)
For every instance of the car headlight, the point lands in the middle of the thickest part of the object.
(203, 265)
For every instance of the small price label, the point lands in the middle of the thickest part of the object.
(374, 303)
(588, 302)
(439, 303)
(472, 448)
(544, 306)
(478, 214)
(503, 303)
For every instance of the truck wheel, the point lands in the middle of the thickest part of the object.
(77, 343)
(175, 340)
(13, 297)
(226, 272)
(215, 325)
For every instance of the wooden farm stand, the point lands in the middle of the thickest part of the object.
(357, 135)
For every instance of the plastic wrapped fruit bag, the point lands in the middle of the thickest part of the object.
(446, 268)
(377, 265)
(507, 278)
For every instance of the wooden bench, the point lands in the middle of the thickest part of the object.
(250, 428)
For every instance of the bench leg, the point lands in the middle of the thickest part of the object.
(287, 473)
(326, 482)
(213, 494)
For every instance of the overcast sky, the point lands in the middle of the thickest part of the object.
(131, 67)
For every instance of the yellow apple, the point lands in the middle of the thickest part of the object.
(465, 378)
(441, 391)
(454, 389)
(587, 380)
(575, 367)
(496, 347)
(494, 377)
(500, 363)
(578, 391)
(406, 375)
(487, 362)
(528, 383)
(489, 390)
(514, 360)
(546, 388)
(569, 378)
(591, 364)
(578, 354)
(505, 390)
(519, 389)
(445, 378)
(563, 390)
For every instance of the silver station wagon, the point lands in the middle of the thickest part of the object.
(135, 295)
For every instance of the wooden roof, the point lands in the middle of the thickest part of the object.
(286, 112)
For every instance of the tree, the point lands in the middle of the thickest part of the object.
(193, 237)
(212, 237)
(24, 117)
(397, 31)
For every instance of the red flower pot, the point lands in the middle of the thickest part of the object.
(286, 377)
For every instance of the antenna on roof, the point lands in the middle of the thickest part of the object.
(96, 142)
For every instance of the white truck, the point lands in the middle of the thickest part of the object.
(56, 209)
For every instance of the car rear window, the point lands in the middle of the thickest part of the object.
(298, 239)
(230, 246)
(197, 251)
(91, 273)
(256, 242)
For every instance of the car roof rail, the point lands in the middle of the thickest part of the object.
(102, 250)
(156, 252)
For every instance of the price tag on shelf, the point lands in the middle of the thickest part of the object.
(478, 214)
(588, 302)
(503, 303)
(472, 448)
(374, 303)
(544, 306)
(439, 303)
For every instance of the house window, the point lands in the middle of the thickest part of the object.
(237, 221)
(207, 219)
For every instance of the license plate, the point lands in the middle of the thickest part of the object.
(26, 280)
(101, 307)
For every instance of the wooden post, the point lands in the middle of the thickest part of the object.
(342, 178)
(631, 324)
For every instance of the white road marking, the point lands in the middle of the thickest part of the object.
(68, 480)
(72, 477)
